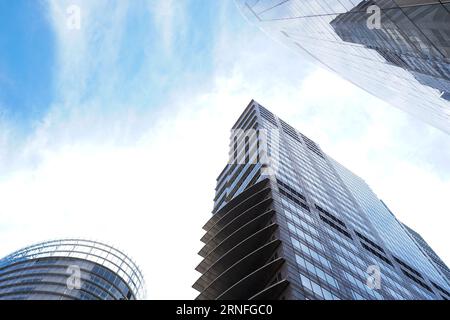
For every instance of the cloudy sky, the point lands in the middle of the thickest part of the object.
(117, 130)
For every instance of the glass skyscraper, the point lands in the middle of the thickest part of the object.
(70, 269)
(289, 222)
(429, 251)
(397, 50)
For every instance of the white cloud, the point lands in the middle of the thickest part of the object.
(169, 18)
(88, 56)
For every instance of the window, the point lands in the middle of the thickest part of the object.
(316, 288)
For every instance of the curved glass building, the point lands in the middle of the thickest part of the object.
(397, 50)
(70, 269)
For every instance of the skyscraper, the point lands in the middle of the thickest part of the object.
(397, 50)
(429, 251)
(289, 222)
(70, 269)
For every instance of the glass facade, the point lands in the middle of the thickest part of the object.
(397, 50)
(429, 251)
(289, 222)
(70, 269)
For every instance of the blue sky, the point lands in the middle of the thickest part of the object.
(101, 128)
(30, 61)
(27, 51)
